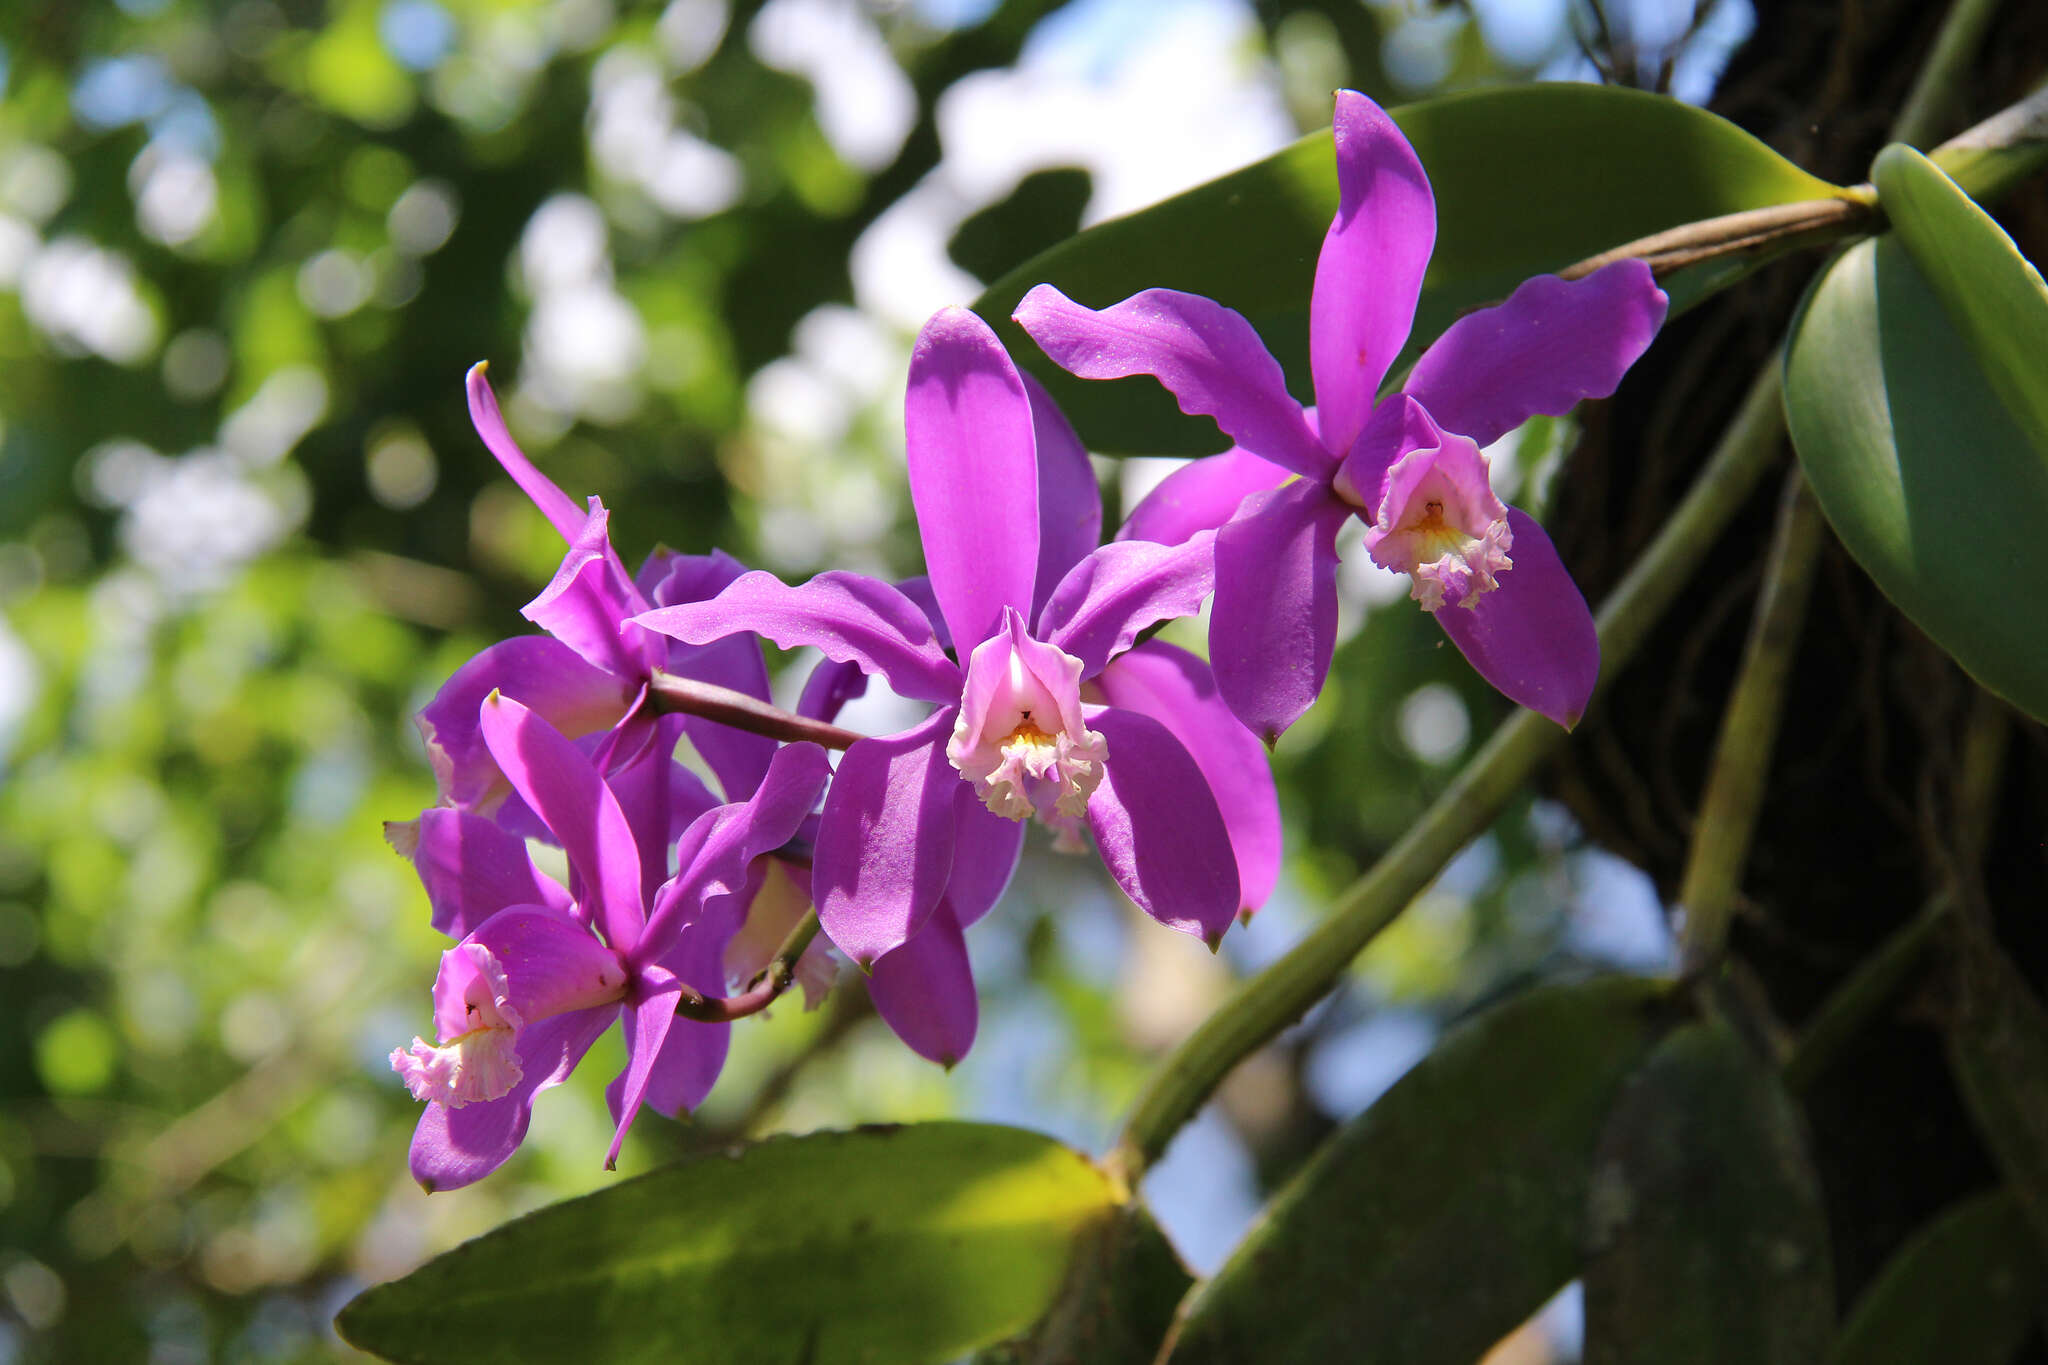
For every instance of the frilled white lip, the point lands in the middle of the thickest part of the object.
(1019, 737)
(1440, 522)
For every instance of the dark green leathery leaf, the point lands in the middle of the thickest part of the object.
(1963, 1290)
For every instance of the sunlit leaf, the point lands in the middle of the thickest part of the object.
(1527, 179)
(1441, 1218)
(1917, 402)
(879, 1245)
(1121, 1289)
(1963, 1291)
(1708, 1241)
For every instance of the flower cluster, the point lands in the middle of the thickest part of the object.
(1026, 640)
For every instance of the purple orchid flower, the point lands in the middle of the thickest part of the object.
(922, 829)
(1408, 465)
(540, 972)
(589, 673)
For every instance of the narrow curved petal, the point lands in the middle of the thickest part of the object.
(1158, 828)
(736, 757)
(1069, 499)
(688, 1065)
(456, 1147)
(558, 507)
(851, 617)
(540, 672)
(1206, 355)
(661, 798)
(1274, 625)
(591, 598)
(918, 589)
(986, 847)
(925, 990)
(885, 844)
(1200, 496)
(973, 473)
(1551, 344)
(472, 868)
(1370, 272)
(721, 844)
(1533, 636)
(1122, 588)
(829, 688)
(1176, 689)
(647, 1021)
(561, 787)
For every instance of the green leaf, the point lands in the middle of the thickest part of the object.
(1527, 179)
(1997, 1038)
(1962, 1291)
(1708, 1239)
(1924, 435)
(880, 1245)
(1438, 1220)
(1122, 1287)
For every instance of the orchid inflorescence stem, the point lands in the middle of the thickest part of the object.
(766, 987)
(668, 692)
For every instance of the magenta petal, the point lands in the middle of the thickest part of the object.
(551, 964)
(472, 868)
(456, 1147)
(1158, 828)
(1370, 272)
(1396, 427)
(1206, 355)
(829, 688)
(587, 604)
(661, 798)
(684, 1071)
(851, 617)
(1176, 689)
(1551, 344)
(545, 675)
(1122, 588)
(558, 507)
(985, 851)
(925, 990)
(736, 757)
(720, 845)
(1532, 637)
(1274, 625)
(647, 1021)
(1069, 499)
(1200, 496)
(561, 787)
(973, 473)
(885, 844)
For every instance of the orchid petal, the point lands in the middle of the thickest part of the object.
(1069, 499)
(924, 990)
(1206, 355)
(973, 473)
(561, 787)
(829, 688)
(851, 617)
(1100, 607)
(1200, 496)
(1396, 427)
(1158, 827)
(472, 868)
(721, 844)
(918, 588)
(646, 1022)
(543, 673)
(456, 1147)
(550, 965)
(736, 757)
(1176, 689)
(986, 848)
(684, 1070)
(1533, 636)
(1274, 624)
(590, 600)
(558, 507)
(885, 844)
(1551, 344)
(1369, 275)
(661, 798)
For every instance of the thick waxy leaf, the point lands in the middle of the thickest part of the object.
(1125, 1282)
(1527, 179)
(1708, 1241)
(1919, 406)
(880, 1245)
(1443, 1216)
(1963, 1291)
(1998, 1050)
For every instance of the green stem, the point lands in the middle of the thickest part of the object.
(766, 987)
(1265, 1004)
(1712, 883)
(1856, 1001)
(1936, 89)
